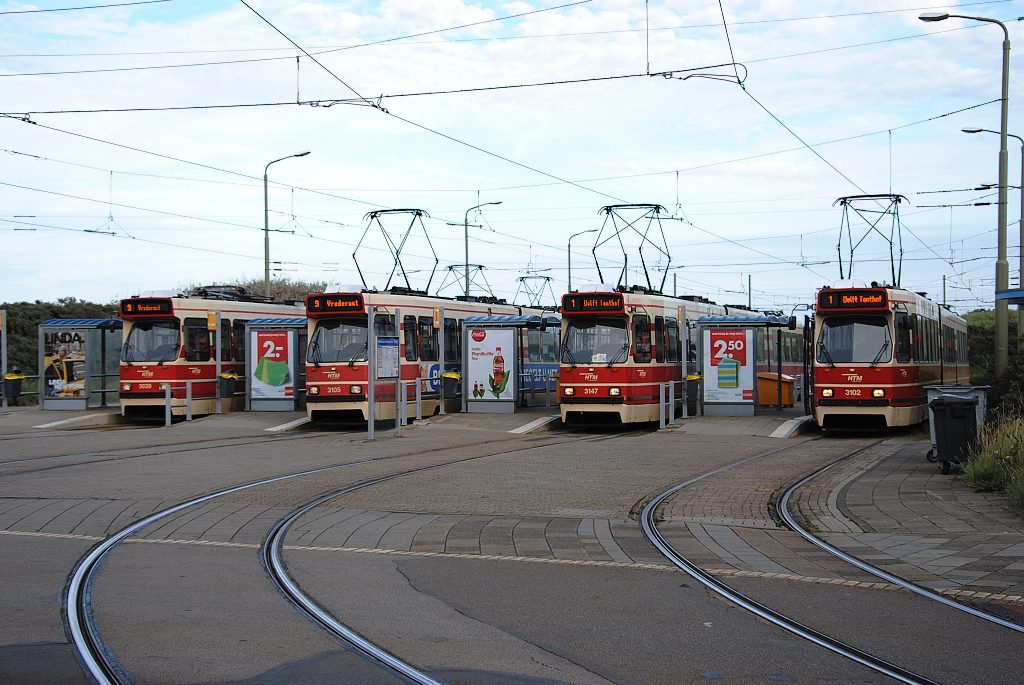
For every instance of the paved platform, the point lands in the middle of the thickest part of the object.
(888, 506)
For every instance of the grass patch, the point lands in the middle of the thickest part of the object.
(996, 463)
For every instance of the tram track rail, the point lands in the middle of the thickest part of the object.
(791, 522)
(648, 521)
(762, 611)
(97, 661)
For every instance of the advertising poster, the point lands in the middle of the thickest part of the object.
(271, 375)
(64, 363)
(729, 366)
(492, 355)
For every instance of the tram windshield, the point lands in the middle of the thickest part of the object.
(848, 339)
(152, 341)
(338, 340)
(595, 340)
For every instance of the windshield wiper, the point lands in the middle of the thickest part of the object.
(566, 352)
(884, 348)
(358, 355)
(168, 356)
(824, 351)
(615, 359)
(126, 351)
(314, 353)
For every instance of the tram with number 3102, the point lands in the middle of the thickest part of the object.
(875, 350)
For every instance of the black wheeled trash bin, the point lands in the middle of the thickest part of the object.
(12, 386)
(956, 428)
(227, 385)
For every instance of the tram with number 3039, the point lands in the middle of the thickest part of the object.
(170, 338)
(875, 350)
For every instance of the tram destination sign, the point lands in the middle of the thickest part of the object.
(335, 303)
(142, 307)
(592, 303)
(873, 298)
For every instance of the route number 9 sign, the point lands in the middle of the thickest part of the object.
(728, 365)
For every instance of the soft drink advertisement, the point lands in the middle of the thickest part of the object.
(728, 365)
(491, 364)
(271, 375)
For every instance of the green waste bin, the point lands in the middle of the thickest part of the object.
(956, 428)
(12, 386)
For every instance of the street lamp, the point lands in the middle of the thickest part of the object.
(592, 230)
(266, 223)
(465, 225)
(1020, 227)
(1002, 268)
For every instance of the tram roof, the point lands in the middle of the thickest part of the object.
(751, 320)
(277, 321)
(530, 321)
(84, 323)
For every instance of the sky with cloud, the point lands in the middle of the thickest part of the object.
(135, 137)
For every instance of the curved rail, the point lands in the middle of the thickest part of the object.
(768, 614)
(77, 603)
(77, 607)
(790, 520)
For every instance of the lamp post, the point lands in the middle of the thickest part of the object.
(1020, 239)
(1002, 268)
(592, 230)
(266, 223)
(465, 226)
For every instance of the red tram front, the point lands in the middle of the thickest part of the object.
(875, 350)
(618, 347)
(337, 356)
(171, 340)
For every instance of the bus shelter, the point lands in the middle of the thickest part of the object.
(730, 348)
(275, 364)
(505, 359)
(78, 363)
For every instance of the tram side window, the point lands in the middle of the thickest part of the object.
(660, 338)
(672, 351)
(533, 352)
(903, 337)
(409, 324)
(961, 337)
(641, 339)
(452, 341)
(238, 341)
(197, 341)
(428, 339)
(225, 340)
(384, 325)
(948, 345)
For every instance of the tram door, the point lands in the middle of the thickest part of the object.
(808, 362)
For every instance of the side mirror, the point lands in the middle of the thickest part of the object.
(792, 323)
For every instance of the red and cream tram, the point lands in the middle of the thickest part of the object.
(618, 346)
(875, 350)
(430, 326)
(170, 339)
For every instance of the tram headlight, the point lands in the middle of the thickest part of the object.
(126, 387)
(314, 390)
(355, 389)
(569, 392)
(878, 392)
(614, 392)
(826, 392)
